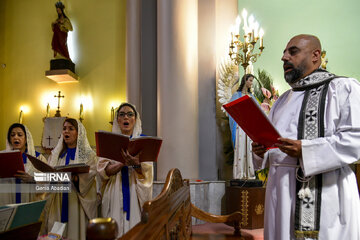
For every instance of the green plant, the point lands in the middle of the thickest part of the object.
(264, 90)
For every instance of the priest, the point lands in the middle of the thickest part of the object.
(311, 191)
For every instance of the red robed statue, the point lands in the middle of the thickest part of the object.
(61, 26)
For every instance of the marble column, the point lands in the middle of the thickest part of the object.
(178, 87)
(133, 86)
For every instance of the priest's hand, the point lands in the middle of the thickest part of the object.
(290, 147)
(25, 177)
(258, 149)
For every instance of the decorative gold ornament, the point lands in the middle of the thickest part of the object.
(244, 207)
(259, 209)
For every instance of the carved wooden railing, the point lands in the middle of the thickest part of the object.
(168, 216)
(233, 219)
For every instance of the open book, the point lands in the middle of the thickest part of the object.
(17, 215)
(44, 167)
(109, 145)
(10, 163)
(249, 116)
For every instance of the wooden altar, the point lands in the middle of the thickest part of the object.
(250, 201)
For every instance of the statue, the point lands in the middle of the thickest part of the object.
(242, 167)
(61, 26)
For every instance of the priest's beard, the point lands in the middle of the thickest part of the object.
(296, 73)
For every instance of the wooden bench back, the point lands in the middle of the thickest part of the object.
(168, 216)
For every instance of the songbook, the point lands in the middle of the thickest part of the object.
(17, 215)
(10, 163)
(109, 145)
(249, 116)
(5, 216)
(44, 167)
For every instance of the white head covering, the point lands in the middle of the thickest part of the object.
(83, 152)
(29, 142)
(137, 127)
(29, 168)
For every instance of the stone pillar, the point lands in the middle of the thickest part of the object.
(226, 12)
(178, 87)
(208, 166)
(133, 85)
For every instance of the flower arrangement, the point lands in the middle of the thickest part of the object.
(264, 90)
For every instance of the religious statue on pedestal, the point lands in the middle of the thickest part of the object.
(61, 26)
(263, 91)
(242, 167)
(241, 143)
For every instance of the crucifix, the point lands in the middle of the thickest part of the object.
(49, 138)
(57, 114)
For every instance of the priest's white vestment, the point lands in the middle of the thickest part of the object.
(329, 155)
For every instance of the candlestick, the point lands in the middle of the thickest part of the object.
(261, 34)
(112, 114)
(48, 110)
(81, 114)
(21, 116)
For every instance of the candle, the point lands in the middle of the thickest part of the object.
(48, 110)
(244, 15)
(237, 25)
(21, 116)
(261, 33)
(251, 28)
(256, 27)
(112, 114)
(81, 116)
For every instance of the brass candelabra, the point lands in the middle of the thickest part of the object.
(242, 47)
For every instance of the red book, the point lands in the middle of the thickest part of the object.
(10, 163)
(109, 145)
(249, 116)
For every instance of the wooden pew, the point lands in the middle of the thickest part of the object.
(25, 232)
(168, 216)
